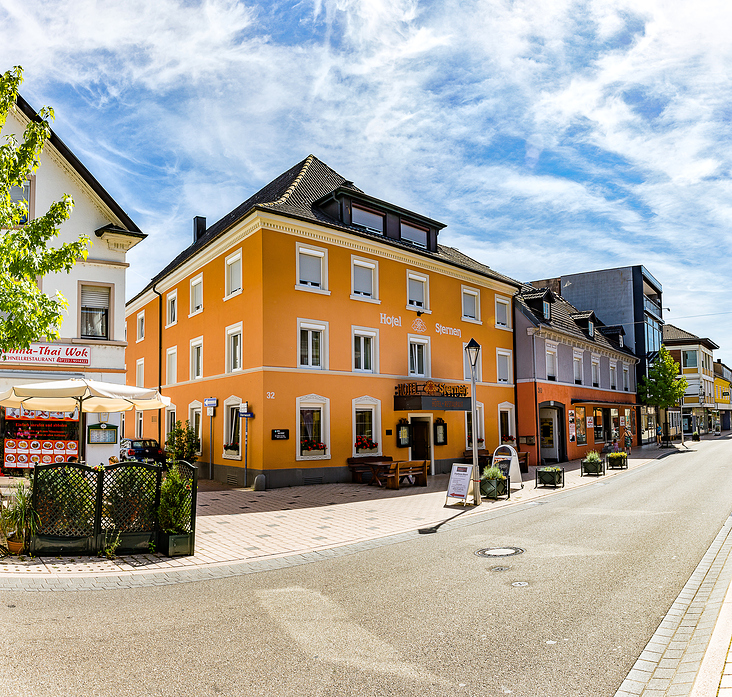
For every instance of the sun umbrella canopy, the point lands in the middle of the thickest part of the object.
(90, 395)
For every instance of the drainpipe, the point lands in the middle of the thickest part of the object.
(537, 438)
(160, 357)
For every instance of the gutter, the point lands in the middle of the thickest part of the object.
(160, 357)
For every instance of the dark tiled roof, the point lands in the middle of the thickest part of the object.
(583, 314)
(564, 318)
(674, 335)
(294, 194)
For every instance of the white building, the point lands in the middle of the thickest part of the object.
(92, 336)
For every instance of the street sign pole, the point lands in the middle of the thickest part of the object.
(245, 414)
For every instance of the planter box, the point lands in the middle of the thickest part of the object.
(695, 436)
(596, 468)
(546, 477)
(617, 461)
(493, 488)
(175, 545)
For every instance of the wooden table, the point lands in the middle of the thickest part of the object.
(379, 468)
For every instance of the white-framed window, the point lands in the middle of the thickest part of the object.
(195, 422)
(95, 305)
(196, 358)
(170, 419)
(232, 428)
(504, 368)
(478, 365)
(591, 328)
(366, 421)
(551, 361)
(312, 268)
(613, 375)
(138, 424)
(313, 427)
(621, 340)
(141, 325)
(547, 309)
(233, 347)
(171, 365)
(140, 372)
(577, 365)
(365, 349)
(503, 312)
(689, 359)
(506, 421)
(171, 308)
(367, 218)
(312, 343)
(418, 292)
(419, 356)
(626, 379)
(414, 234)
(233, 275)
(470, 304)
(197, 294)
(469, 427)
(364, 279)
(26, 194)
(596, 371)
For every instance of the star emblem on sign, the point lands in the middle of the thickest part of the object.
(419, 326)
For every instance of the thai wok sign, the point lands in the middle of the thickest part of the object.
(50, 354)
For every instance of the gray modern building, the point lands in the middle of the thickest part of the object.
(630, 297)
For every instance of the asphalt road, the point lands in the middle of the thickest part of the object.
(602, 566)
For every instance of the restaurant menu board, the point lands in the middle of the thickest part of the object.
(460, 480)
(34, 437)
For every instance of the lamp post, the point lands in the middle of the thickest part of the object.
(473, 351)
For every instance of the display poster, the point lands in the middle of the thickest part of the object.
(622, 421)
(572, 426)
(34, 437)
(460, 479)
(590, 422)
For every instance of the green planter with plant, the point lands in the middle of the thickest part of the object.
(175, 516)
(493, 483)
(550, 476)
(19, 519)
(695, 435)
(592, 464)
(617, 460)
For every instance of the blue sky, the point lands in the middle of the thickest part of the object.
(551, 137)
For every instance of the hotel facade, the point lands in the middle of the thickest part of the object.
(335, 320)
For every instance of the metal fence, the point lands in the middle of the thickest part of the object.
(82, 509)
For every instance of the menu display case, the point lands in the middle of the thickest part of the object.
(32, 437)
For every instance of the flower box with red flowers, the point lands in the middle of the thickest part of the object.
(309, 446)
(365, 443)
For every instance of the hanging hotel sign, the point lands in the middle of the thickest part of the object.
(52, 354)
(431, 396)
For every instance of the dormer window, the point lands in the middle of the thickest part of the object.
(620, 340)
(591, 328)
(413, 234)
(547, 310)
(371, 220)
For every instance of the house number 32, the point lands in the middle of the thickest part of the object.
(270, 395)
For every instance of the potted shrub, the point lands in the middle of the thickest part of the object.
(550, 476)
(592, 464)
(617, 460)
(174, 515)
(19, 519)
(493, 483)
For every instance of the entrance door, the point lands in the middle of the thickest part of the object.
(420, 439)
(549, 437)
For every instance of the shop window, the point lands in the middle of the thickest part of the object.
(419, 358)
(417, 292)
(197, 294)
(197, 358)
(367, 218)
(233, 274)
(171, 305)
(414, 235)
(503, 314)
(364, 280)
(599, 432)
(313, 431)
(95, 305)
(140, 373)
(171, 366)
(503, 365)
(312, 268)
(471, 304)
(313, 344)
(580, 426)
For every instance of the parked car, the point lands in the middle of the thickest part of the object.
(141, 449)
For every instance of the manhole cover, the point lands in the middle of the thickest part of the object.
(499, 552)
(520, 584)
(501, 568)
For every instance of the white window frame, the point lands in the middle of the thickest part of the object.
(314, 325)
(231, 331)
(367, 403)
(140, 326)
(509, 355)
(372, 334)
(140, 372)
(595, 367)
(196, 407)
(194, 344)
(478, 365)
(578, 356)
(322, 254)
(510, 408)
(229, 404)
(475, 293)
(139, 424)
(481, 426)
(313, 401)
(425, 280)
(546, 308)
(503, 300)
(172, 351)
(613, 369)
(168, 411)
(550, 348)
(196, 280)
(373, 265)
(626, 378)
(229, 261)
(171, 297)
(413, 339)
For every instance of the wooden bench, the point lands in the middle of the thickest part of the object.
(359, 466)
(411, 468)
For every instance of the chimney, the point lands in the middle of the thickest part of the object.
(199, 227)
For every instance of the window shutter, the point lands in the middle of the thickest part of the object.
(416, 292)
(234, 276)
(502, 368)
(310, 270)
(362, 280)
(95, 296)
(502, 314)
(469, 305)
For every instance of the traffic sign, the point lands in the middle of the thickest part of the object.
(210, 402)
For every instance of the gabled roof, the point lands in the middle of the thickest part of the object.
(296, 194)
(566, 319)
(83, 172)
(674, 336)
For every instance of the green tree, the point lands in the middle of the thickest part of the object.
(182, 444)
(664, 386)
(26, 249)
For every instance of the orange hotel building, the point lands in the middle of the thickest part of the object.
(333, 315)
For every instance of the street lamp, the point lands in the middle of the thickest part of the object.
(473, 351)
